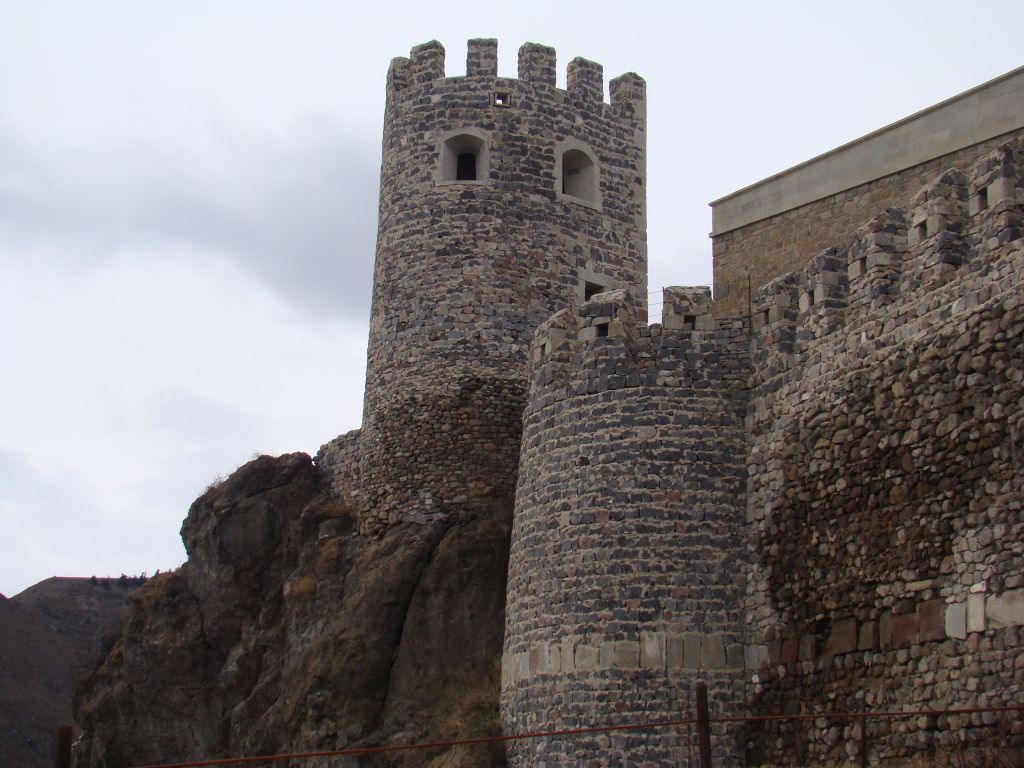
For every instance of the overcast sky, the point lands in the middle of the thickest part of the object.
(188, 201)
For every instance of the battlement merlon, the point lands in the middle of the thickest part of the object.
(958, 218)
(687, 308)
(537, 64)
(584, 78)
(482, 58)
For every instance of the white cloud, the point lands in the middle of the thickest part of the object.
(133, 382)
(188, 198)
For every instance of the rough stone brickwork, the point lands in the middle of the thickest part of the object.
(886, 470)
(754, 254)
(467, 267)
(814, 505)
(624, 586)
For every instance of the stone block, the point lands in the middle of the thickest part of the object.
(755, 657)
(626, 654)
(932, 623)
(712, 652)
(522, 665)
(587, 658)
(705, 323)
(843, 637)
(674, 651)
(906, 630)
(878, 260)
(808, 647)
(734, 656)
(885, 631)
(606, 658)
(956, 620)
(568, 663)
(533, 665)
(976, 612)
(867, 638)
(1005, 610)
(790, 651)
(652, 650)
(691, 651)
(554, 665)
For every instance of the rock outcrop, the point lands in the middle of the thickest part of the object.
(289, 630)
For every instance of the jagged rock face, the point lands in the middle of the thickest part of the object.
(287, 630)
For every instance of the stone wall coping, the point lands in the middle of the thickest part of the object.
(986, 111)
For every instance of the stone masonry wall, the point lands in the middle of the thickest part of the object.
(776, 245)
(623, 585)
(467, 269)
(885, 477)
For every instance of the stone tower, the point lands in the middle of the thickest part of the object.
(501, 201)
(624, 585)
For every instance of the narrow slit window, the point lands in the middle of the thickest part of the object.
(602, 329)
(689, 322)
(983, 198)
(922, 230)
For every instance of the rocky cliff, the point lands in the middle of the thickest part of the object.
(288, 630)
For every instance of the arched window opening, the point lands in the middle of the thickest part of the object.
(464, 158)
(579, 176)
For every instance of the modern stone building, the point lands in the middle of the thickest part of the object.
(769, 227)
(808, 496)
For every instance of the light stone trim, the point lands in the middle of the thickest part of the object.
(585, 276)
(992, 109)
(483, 162)
(689, 651)
(566, 145)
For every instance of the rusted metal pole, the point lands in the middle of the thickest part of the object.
(864, 740)
(62, 747)
(703, 726)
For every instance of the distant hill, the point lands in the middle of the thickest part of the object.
(50, 634)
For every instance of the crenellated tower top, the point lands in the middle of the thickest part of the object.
(425, 67)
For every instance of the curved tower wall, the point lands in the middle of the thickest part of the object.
(624, 577)
(467, 269)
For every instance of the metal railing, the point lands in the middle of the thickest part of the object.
(702, 721)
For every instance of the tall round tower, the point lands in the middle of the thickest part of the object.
(624, 579)
(502, 201)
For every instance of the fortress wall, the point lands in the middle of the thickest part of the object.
(886, 475)
(466, 269)
(768, 229)
(338, 459)
(623, 584)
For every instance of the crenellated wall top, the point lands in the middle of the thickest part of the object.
(425, 67)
